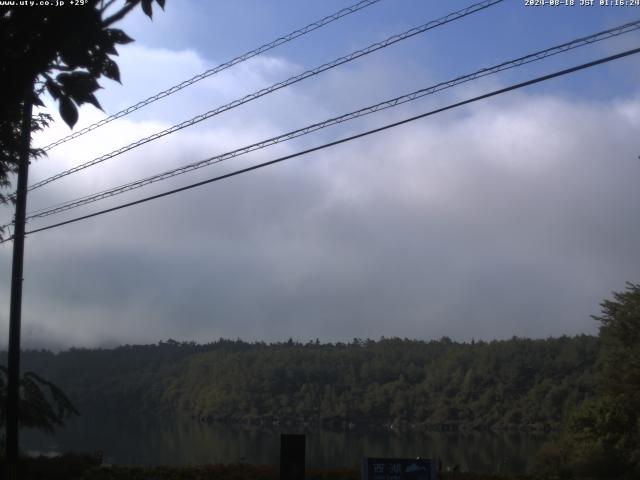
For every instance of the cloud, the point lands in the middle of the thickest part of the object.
(511, 217)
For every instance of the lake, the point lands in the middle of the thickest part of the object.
(188, 442)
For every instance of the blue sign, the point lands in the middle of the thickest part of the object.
(398, 469)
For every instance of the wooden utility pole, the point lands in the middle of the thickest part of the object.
(15, 309)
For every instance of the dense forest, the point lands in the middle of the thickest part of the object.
(399, 383)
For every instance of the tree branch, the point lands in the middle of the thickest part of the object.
(118, 15)
(104, 6)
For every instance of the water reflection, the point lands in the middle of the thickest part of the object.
(188, 442)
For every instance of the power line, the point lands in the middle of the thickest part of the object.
(223, 66)
(265, 91)
(533, 57)
(346, 139)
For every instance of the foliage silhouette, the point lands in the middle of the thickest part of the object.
(42, 404)
(63, 51)
(602, 437)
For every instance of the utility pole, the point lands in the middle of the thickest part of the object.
(15, 309)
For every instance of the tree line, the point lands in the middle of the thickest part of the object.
(511, 384)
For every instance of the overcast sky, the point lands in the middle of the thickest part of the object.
(516, 215)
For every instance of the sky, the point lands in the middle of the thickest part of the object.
(512, 216)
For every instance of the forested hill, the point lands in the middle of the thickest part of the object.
(518, 383)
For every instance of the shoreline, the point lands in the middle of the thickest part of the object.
(340, 424)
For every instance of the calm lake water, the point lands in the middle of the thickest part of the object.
(188, 442)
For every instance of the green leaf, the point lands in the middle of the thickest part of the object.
(118, 36)
(146, 8)
(91, 98)
(78, 85)
(53, 89)
(108, 47)
(35, 99)
(68, 111)
(110, 70)
(73, 80)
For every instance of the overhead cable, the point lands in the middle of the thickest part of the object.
(344, 140)
(223, 66)
(265, 91)
(533, 57)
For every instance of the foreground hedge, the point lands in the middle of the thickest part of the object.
(85, 467)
